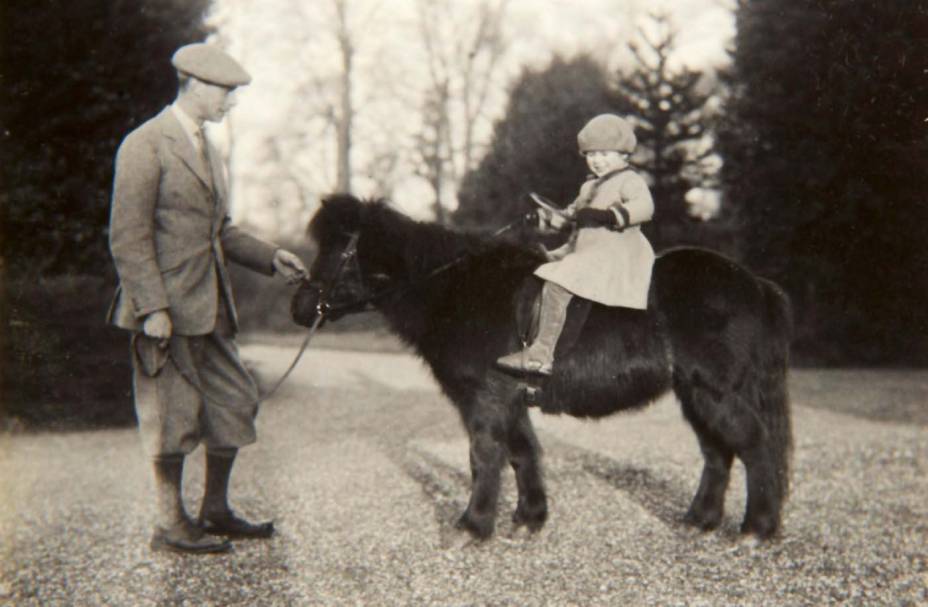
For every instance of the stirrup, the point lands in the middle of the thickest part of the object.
(532, 394)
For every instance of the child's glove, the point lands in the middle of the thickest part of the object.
(558, 222)
(545, 220)
(596, 218)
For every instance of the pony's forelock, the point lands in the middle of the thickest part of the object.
(338, 214)
(345, 213)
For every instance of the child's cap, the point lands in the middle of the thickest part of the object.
(607, 132)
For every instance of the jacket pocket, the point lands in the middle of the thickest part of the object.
(171, 259)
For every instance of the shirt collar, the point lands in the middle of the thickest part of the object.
(189, 124)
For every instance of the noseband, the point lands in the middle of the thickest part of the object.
(347, 264)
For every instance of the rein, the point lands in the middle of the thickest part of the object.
(322, 308)
(351, 251)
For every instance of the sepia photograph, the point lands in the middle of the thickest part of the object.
(463, 303)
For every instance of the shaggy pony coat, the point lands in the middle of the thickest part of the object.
(713, 333)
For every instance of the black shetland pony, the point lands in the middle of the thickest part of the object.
(713, 333)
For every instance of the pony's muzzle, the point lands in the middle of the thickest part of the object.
(306, 304)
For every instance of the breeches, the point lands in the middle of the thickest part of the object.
(203, 393)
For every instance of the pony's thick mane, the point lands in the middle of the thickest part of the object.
(445, 286)
(422, 246)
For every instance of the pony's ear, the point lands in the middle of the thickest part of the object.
(337, 214)
(341, 199)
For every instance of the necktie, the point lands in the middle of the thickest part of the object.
(205, 156)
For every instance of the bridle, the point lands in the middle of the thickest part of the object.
(348, 266)
(347, 259)
(322, 309)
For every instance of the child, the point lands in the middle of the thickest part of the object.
(608, 260)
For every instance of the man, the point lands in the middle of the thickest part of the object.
(170, 237)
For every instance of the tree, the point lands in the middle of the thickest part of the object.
(668, 107)
(462, 55)
(534, 146)
(324, 117)
(332, 93)
(345, 113)
(77, 77)
(824, 152)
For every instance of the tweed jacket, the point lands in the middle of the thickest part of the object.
(170, 232)
(602, 264)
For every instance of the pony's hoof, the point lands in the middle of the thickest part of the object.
(703, 521)
(478, 529)
(530, 521)
(764, 528)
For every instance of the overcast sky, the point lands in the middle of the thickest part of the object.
(281, 41)
(704, 26)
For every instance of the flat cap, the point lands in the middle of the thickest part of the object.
(210, 64)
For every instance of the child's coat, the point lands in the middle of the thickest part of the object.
(604, 265)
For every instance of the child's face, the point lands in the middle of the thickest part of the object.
(606, 161)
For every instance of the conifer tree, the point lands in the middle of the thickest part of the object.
(77, 76)
(668, 106)
(534, 146)
(824, 155)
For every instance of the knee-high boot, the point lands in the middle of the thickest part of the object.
(216, 517)
(175, 531)
(539, 356)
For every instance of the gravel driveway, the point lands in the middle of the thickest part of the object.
(363, 465)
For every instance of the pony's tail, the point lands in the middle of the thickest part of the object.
(775, 409)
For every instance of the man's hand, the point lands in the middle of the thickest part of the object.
(158, 326)
(289, 266)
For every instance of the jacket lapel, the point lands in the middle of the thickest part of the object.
(182, 148)
(219, 193)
